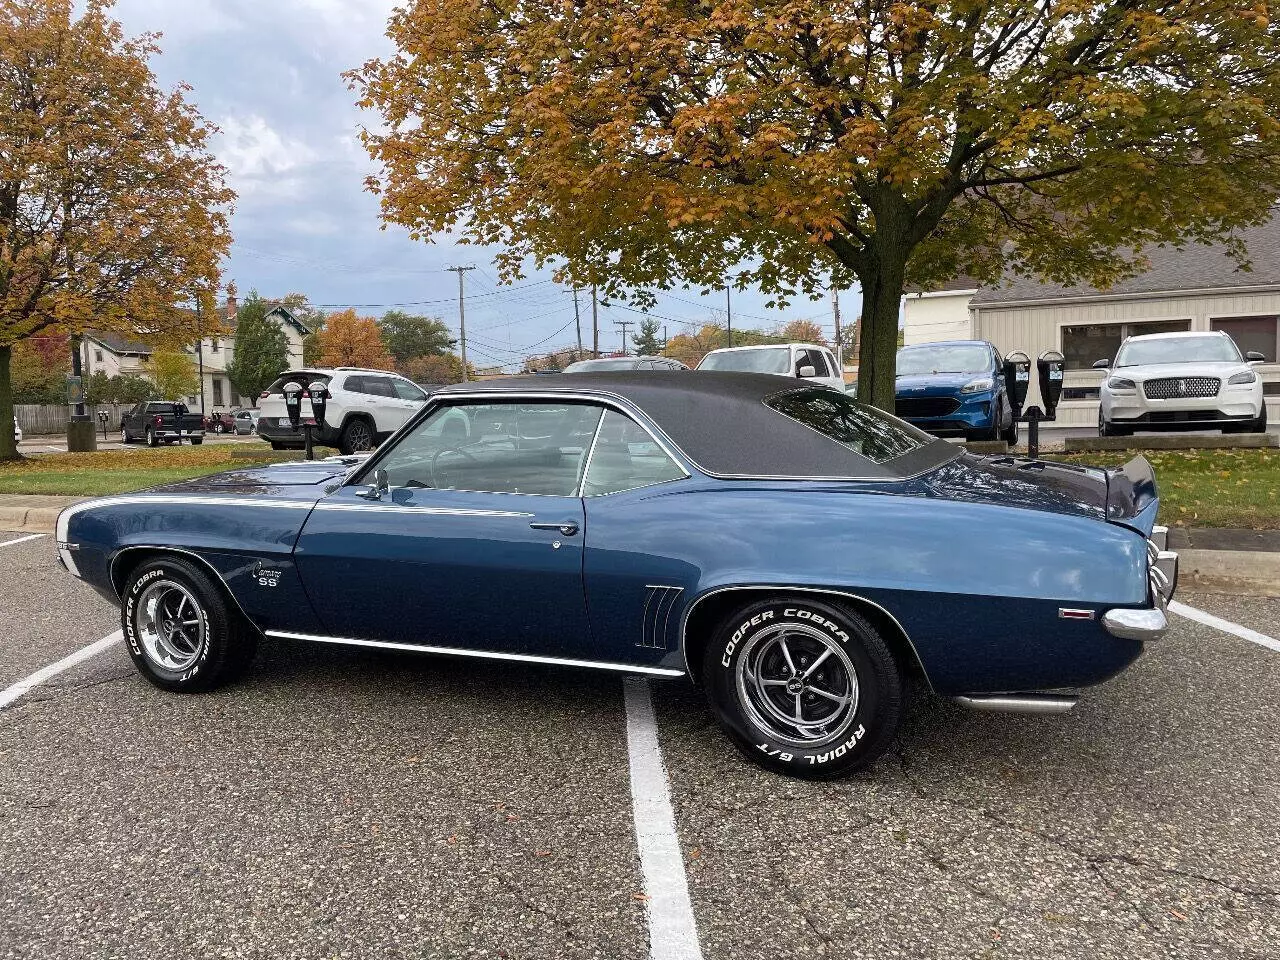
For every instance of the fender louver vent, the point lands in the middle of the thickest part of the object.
(660, 617)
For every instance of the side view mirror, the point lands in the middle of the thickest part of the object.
(378, 489)
(1101, 364)
(807, 371)
(1253, 356)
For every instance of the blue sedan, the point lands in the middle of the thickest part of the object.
(955, 388)
(796, 553)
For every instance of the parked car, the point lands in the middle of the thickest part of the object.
(219, 423)
(795, 552)
(624, 363)
(161, 421)
(246, 422)
(1181, 381)
(364, 408)
(805, 360)
(17, 431)
(955, 388)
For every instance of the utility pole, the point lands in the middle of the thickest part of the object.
(462, 319)
(200, 350)
(835, 309)
(624, 324)
(577, 322)
(728, 311)
(664, 336)
(595, 323)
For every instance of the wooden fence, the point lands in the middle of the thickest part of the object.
(39, 419)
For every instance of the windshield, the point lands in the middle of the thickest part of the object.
(1136, 353)
(944, 358)
(862, 428)
(773, 360)
(591, 366)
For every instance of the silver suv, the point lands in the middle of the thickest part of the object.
(365, 407)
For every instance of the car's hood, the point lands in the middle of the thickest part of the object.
(1153, 371)
(923, 385)
(287, 480)
(1123, 495)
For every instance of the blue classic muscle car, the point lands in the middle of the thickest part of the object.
(795, 552)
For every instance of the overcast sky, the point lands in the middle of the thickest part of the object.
(268, 73)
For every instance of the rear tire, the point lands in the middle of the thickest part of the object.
(179, 629)
(771, 654)
(151, 438)
(357, 436)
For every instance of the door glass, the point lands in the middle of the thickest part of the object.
(378, 387)
(626, 457)
(532, 448)
(407, 391)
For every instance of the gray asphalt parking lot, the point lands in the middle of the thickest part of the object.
(352, 803)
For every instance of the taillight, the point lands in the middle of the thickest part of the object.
(158, 420)
(264, 394)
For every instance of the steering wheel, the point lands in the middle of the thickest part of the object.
(452, 448)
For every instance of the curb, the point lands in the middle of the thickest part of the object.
(1249, 573)
(29, 519)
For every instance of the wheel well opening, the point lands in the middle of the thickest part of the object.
(708, 614)
(130, 559)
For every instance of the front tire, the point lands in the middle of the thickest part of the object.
(803, 687)
(179, 629)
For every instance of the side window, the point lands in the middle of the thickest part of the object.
(354, 384)
(626, 457)
(534, 448)
(379, 386)
(407, 391)
(813, 358)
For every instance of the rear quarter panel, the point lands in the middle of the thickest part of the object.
(976, 587)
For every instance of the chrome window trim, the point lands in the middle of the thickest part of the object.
(582, 482)
(789, 588)
(478, 654)
(382, 505)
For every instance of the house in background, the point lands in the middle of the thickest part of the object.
(1199, 287)
(114, 354)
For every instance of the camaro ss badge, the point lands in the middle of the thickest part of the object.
(268, 578)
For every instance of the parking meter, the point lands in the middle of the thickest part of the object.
(1017, 380)
(319, 400)
(1050, 367)
(293, 402)
(103, 417)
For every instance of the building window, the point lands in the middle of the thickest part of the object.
(213, 345)
(1083, 346)
(217, 392)
(1252, 333)
(97, 356)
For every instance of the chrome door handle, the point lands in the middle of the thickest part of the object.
(568, 528)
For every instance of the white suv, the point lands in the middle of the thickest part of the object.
(365, 407)
(1181, 381)
(805, 360)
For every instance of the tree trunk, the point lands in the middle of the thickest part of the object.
(882, 286)
(8, 447)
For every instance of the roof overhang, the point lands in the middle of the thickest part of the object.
(1144, 295)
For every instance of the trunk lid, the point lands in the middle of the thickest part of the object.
(1126, 495)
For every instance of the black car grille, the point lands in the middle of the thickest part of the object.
(1175, 388)
(916, 407)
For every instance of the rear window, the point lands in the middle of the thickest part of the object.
(161, 408)
(304, 377)
(594, 366)
(866, 430)
(774, 360)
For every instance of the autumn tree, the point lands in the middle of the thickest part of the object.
(408, 335)
(174, 374)
(262, 349)
(349, 340)
(887, 141)
(802, 331)
(435, 368)
(646, 339)
(692, 345)
(38, 370)
(113, 211)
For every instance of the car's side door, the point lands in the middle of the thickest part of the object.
(476, 544)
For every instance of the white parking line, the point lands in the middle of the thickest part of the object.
(1226, 626)
(673, 933)
(22, 687)
(10, 543)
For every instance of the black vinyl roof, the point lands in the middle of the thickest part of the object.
(720, 422)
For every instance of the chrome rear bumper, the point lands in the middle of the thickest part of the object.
(1162, 576)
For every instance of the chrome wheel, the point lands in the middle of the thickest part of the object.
(171, 626)
(798, 685)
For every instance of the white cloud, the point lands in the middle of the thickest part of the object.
(252, 149)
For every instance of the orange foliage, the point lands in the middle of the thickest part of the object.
(349, 340)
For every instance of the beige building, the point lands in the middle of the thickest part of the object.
(1197, 288)
(114, 354)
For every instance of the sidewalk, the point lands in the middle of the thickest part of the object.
(23, 513)
(1211, 560)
